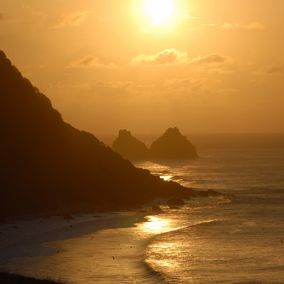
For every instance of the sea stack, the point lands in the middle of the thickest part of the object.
(129, 147)
(172, 145)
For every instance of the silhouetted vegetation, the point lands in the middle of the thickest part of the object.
(7, 278)
(48, 166)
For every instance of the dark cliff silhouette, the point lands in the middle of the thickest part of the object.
(48, 166)
(172, 145)
(129, 147)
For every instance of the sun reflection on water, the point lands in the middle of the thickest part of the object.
(166, 177)
(161, 255)
(156, 225)
(165, 250)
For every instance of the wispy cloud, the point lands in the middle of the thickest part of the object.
(213, 58)
(75, 19)
(92, 62)
(276, 69)
(183, 85)
(175, 57)
(249, 26)
(164, 57)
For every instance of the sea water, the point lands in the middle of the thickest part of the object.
(234, 238)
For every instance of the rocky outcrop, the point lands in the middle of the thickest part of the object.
(172, 145)
(129, 147)
(175, 202)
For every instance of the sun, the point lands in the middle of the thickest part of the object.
(159, 15)
(160, 12)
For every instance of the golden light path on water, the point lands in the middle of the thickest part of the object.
(159, 254)
(166, 177)
(156, 225)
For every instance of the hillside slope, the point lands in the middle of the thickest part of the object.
(46, 165)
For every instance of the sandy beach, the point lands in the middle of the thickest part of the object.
(105, 245)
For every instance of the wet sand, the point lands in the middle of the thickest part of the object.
(106, 246)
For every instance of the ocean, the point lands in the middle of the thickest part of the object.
(238, 238)
(234, 238)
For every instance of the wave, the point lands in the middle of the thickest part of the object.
(152, 274)
(258, 282)
(207, 223)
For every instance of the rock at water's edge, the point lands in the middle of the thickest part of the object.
(172, 145)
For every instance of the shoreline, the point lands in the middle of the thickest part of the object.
(108, 245)
(28, 238)
(113, 241)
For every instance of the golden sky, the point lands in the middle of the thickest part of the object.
(202, 65)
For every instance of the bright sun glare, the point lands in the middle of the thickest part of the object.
(160, 12)
(159, 15)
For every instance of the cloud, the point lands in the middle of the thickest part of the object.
(106, 90)
(144, 89)
(276, 70)
(184, 85)
(92, 62)
(210, 59)
(249, 26)
(164, 57)
(175, 57)
(75, 19)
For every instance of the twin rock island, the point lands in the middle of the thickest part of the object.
(172, 145)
